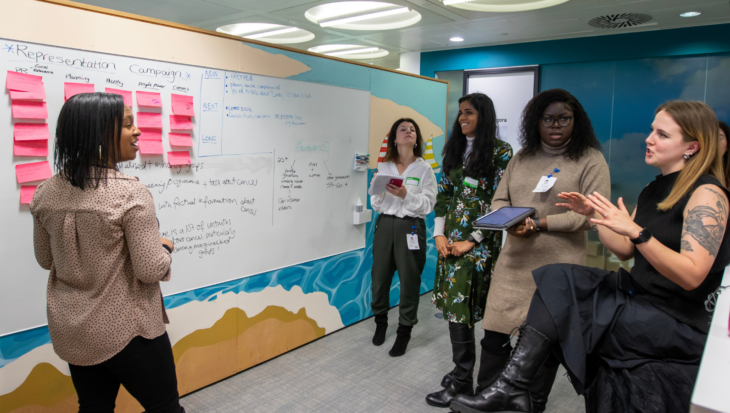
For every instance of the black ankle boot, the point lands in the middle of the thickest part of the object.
(543, 383)
(447, 379)
(402, 337)
(464, 357)
(381, 326)
(495, 353)
(510, 393)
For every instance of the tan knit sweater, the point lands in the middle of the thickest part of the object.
(512, 285)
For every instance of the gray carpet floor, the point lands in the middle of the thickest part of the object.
(344, 372)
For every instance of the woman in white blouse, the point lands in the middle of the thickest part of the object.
(402, 211)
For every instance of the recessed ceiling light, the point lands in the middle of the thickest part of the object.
(457, 39)
(502, 5)
(356, 51)
(362, 15)
(690, 14)
(271, 33)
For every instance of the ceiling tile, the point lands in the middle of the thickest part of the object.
(178, 11)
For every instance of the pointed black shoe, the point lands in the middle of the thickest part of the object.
(464, 357)
(543, 383)
(447, 379)
(402, 337)
(381, 326)
(510, 393)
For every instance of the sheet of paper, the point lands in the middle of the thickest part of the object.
(34, 171)
(31, 148)
(182, 105)
(546, 182)
(149, 120)
(72, 89)
(180, 139)
(149, 99)
(126, 94)
(150, 134)
(31, 131)
(23, 82)
(150, 147)
(26, 193)
(28, 109)
(179, 158)
(178, 122)
(35, 95)
(380, 182)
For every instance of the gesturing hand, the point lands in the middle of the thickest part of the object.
(399, 191)
(524, 229)
(576, 203)
(617, 219)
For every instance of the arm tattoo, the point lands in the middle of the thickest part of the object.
(709, 236)
(686, 246)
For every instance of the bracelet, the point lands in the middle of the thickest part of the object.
(167, 247)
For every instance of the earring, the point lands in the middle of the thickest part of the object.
(99, 151)
(415, 146)
(687, 156)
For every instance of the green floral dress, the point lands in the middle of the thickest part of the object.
(462, 283)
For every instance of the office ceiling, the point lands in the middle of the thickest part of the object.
(438, 24)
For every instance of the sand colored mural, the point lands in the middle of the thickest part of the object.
(383, 112)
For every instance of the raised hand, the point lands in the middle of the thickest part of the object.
(617, 219)
(576, 203)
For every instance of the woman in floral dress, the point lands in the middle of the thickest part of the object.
(474, 161)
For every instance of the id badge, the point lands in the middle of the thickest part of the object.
(413, 242)
(545, 184)
(471, 182)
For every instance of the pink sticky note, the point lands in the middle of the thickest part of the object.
(28, 109)
(39, 94)
(178, 122)
(150, 147)
(182, 105)
(149, 120)
(151, 135)
(179, 158)
(152, 99)
(31, 131)
(34, 171)
(126, 94)
(26, 193)
(23, 82)
(180, 139)
(31, 148)
(71, 89)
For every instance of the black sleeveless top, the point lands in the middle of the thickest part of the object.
(666, 226)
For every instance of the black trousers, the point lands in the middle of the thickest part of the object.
(145, 367)
(391, 253)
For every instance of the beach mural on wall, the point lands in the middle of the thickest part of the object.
(221, 330)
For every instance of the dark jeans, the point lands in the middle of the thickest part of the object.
(391, 254)
(145, 367)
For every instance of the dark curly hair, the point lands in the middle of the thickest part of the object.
(583, 136)
(479, 162)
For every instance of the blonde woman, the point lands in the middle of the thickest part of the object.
(656, 313)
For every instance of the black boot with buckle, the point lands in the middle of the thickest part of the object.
(510, 393)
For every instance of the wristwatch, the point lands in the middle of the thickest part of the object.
(644, 235)
(537, 224)
(470, 238)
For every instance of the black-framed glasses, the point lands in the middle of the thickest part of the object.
(563, 121)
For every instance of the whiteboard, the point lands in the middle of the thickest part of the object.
(271, 182)
(510, 89)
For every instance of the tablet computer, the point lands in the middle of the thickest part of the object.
(503, 218)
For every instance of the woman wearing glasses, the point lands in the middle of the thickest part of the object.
(559, 144)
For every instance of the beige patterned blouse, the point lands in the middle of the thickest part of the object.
(106, 260)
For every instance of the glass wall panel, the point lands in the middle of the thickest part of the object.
(456, 91)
